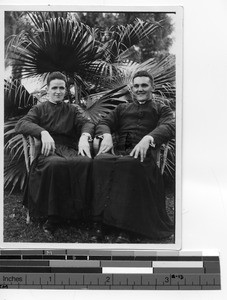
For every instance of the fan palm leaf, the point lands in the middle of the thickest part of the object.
(14, 164)
(39, 17)
(162, 71)
(59, 45)
(102, 103)
(116, 50)
(15, 174)
(123, 37)
(170, 162)
(13, 145)
(17, 100)
(17, 103)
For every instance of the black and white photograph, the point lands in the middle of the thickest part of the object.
(92, 127)
(113, 174)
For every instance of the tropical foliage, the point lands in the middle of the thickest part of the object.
(99, 70)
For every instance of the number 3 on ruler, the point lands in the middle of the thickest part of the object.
(166, 279)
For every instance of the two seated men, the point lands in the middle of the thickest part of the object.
(122, 186)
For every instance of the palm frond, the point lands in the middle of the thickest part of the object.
(9, 126)
(132, 53)
(17, 100)
(58, 45)
(102, 103)
(124, 37)
(14, 40)
(14, 147)
(170, 163)
(14, 174)
(14, 166)
(163, 99)
(39, 17)
(162, 71)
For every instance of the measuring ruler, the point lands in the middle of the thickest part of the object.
(109, 269)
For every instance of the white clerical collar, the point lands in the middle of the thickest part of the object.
(55, 102)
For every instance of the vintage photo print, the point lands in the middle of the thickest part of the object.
(92, 120)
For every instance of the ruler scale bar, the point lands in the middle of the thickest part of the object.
(66, 280)
(105, 269)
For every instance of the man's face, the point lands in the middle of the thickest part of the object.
(142, 88)
(56, 90)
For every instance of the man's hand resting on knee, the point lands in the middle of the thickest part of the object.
(83, 145)
(141, 148)
(48, 144)
(106, 144)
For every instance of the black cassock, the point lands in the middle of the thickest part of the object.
(129, 194)
(58, 184)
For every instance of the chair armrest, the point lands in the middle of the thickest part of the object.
(26, 154)
(35, 147)
(165, 153)
(31, 147)
(161, 156)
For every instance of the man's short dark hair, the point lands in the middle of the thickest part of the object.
(56, 75)
(144, 74)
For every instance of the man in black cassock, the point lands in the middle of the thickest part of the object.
(58, 180)
(128, 191)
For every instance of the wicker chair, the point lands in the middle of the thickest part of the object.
(31, 147)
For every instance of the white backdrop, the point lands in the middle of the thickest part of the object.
(204, 197)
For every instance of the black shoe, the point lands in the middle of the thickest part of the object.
(50, 227)
(123, 238)
(97, 234)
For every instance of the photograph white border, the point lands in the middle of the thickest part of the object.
(179, 101)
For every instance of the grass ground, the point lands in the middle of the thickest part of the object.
(16, 229)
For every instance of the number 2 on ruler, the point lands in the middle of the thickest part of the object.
(107, 279)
